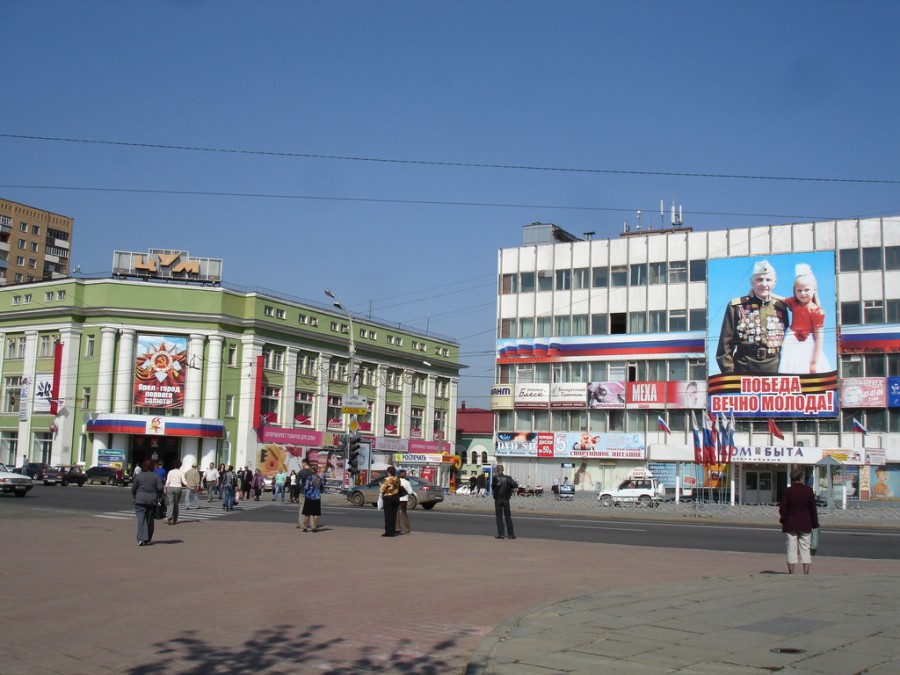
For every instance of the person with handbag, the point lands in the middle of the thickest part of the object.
(402, 516)
(146, 491)
(798, 517)
(390, 495)
(312, 499)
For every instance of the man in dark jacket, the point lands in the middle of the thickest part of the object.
(798, 519)
(503, 487)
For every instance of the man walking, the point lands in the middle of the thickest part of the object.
(305, 472)
(503, 487)
(211, 476)
(172, 491)
(192, 488)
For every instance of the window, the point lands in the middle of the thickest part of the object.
(562, 326)
(873, 311)
(34, 247)
(526, 328)
(698, 270)
(48, 296)
(848, 259)
(545, 280)
(639, 275)
(507, 328)
(657, 322)
(619, 276)
(89, 342)
(16, 300)
(874, 365)
(698, 319)
(20, 260)
(15, 348)
(637, 322)
(581, 278)
(269, 404)
(391, 419)
(599, 324)
(851, 365)
(229, 405)
(417, 423)
(678, 272)
(439, 424)
(872, 258)
(544, 326)
(45, 346)
(580, 324)
(600, 277)
(26, 299)
(231, 355)
(303, 409)
(22, 244)
(892, 257)
(509, 284)
(32, 263)
(12, 388)
(36, 230)
(893, 364)
(618, 323)
(334, 414)
(677, 320)
(657, 273)
(850, 313)
(273, 359)
(280, 314)
(893, 310)
(526, 282)
(23, 227)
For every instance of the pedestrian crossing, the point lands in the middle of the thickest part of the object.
(206, 511)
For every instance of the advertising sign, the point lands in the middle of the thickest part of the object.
(772, 347)
(532, 396)
(581, 444)
(689, 394)
(606, 395)
(502, 397)
(43, 392)
(159, 371)
(645, 395)
(863, 392)
(568, 395)
(893, 392)
(887, 482)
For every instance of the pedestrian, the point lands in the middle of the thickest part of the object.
(146, 490)
(211, 478)
(405, 491)
(293, 487)
(278, 488)
(160, 469)
(305, 472)
(503, 487)
(227, 481)
(222, 469)
(799, 518)
(473, 481)
(312, 499)
(192, 488)
(258, 484)
(481, 484)
(173, 487)
(246, 477)
(390, 497)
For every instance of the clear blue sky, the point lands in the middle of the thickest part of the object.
(775, 89)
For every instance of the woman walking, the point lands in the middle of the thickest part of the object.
(390, 496)
(259, 483)
(146, 490)
(798, 519)
(312, 499)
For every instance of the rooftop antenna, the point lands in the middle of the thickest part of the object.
(639, 220)
(662, 215)
(625, 227)
(674, 217)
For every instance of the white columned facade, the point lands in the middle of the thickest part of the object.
(428, 432)
(409, 378)
(193, 393)
(289, 390)
(245, 450)
(321, 408)
(124, 384)
(452, 394)
(103, 398)
(68, 415)
(26, 403)
(211, 404)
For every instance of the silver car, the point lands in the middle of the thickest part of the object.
(14, 482)
(424, 494)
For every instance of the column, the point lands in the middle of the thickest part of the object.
(321, 411)
(409, 378)
(68, 416)
(193, 391)
(26, 403)
(452, 394)
(289, 390)
(211, 403)
(103, 398)
(429, 408)
(124, 372)
(244, 450)
(380, 400)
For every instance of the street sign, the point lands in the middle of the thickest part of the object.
(354, 426)
(352, 404)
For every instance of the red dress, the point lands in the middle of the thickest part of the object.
(800, 340)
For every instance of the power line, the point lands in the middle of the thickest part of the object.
(468, 165)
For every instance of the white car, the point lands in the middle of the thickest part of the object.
(14, 482)
(641, 491)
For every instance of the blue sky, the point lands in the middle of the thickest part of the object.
(610, 103)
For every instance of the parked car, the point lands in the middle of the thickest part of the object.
(16, 483)
(70, 475)
(38, 471)
(641, 491)
(425, 494)
(107, 475)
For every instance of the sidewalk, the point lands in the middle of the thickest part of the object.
(223, 595)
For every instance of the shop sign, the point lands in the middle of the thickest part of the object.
(863, 392)
(502, 397)
(875, 456)
(794, 455)
(893, 392)
(308, 437)
(606, 395)
(167, 264)
(568, 395)
(532, 396)
(646, 395)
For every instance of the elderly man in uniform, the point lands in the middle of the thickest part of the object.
(753, 327)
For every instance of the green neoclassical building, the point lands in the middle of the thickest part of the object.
(161, 361)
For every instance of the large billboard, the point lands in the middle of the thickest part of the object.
(771, 341)
(159, 371)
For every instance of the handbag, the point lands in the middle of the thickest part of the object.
(814, 541)
(380, 502)
(160, 511)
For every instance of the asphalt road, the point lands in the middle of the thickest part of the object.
(555, 528)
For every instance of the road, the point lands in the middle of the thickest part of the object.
(556, 529)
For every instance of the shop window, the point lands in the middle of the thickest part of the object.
(303, 409)
(334, 414)
(391, 419)
(416, 423)
(269, 404)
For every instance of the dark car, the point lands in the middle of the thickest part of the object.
(425, 494)
(38, 471)
(69, 475)
(107, 475)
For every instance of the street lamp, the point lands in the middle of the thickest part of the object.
(352, 348)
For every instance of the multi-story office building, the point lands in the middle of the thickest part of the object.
(610, 352)
(160, 361)
(34, 244)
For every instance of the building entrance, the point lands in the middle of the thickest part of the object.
(164, 450)
(757, 487)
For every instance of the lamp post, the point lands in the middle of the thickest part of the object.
(352, 348)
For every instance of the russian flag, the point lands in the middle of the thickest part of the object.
(698, 443)
(662, 426)
(710, 441)
(857, 426)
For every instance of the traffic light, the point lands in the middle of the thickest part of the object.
(353, 454)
